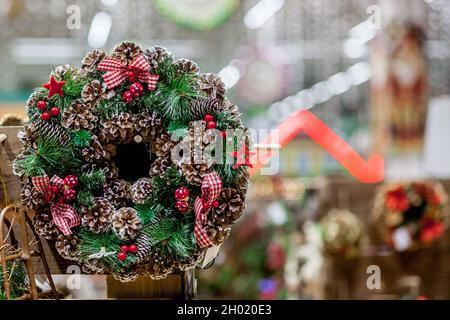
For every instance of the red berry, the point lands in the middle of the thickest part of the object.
(215, 204)
(41, 104)
(137, 89)
(124, 248)
(121, 256)
(55, 189)
(132, 76)
(182, 193)
(211, 125)
(71, 181)
(182, 206)
(132, 248)
(69, 194)
(54, 111)
(46, 116)
(127, 97)
(208, 118)
(206, 206)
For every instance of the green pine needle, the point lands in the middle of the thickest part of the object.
(17, 278)
(81, 138)
(178, 130)
(84, 199)
(149, 210)
(92, 181)
(91, 243)
(173, 236)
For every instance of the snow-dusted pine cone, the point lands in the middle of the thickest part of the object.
(129, 274)
(67, 246)
(231, 206)
(211, 85)
(143, 247)
(60, 71)
(91, 60)
(203, 106)
(126, 223)
(159, 166)
(186, 66)
(156, 55)
(163, 145)
(147, 125)
(79, 116)
(126, 51)
(157, 265)
(44, 225)
(233, 113)
(29, 196)
(120, 128)
(95, 151)
(108, 168)
(94, 91)
(194, 173)
(217, 234)
(96, 218)
(51, 130)
(27, 136)
(118, 192)
(141, 190)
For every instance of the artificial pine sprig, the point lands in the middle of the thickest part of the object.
(148, 210)
(172, 236)
(92, 243)
(92, 181)
(17, 279)
(81, 138)
(84, 199)
(177, 130)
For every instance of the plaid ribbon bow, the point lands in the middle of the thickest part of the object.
(211, 187)
(117, 72)
(64, 216)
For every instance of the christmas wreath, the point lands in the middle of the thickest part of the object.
(410, 214)
(135, 163)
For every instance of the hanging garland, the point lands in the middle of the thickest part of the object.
(197, 14)
(410, 215)
(115, 162)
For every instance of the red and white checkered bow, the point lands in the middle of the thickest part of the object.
(64, 216)
(211, 187)
(117, 72)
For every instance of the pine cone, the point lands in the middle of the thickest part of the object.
(44, 225)
(159, 166)
(191, 261)
(118, 192)
(233, 113)
(79, 116)
(217, 234)
(212, 85)
(231, 206)
(120, 128)
(92, 60)
(27, 136)
(96, 219)
(143, 247)
(67, 246)
(194, 173)
(126, 51)
(157, 55)
(127, 275)
(60, 71)
(29, 196)
(47, 129)
(186, 66)
(141, 190)
(147, 125)
(94, 266)
(203, 106)
(126, 223)
(94, 91)
(158, 266)
(163, 145)
(95, 151)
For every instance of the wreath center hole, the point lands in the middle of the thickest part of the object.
(133, 160)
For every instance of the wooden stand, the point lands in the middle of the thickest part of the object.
(176, 286)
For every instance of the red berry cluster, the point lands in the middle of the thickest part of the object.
(46, 115)
(124, 249)
(206, 205)
(136, 90)
(69, 193)
(210, 123)
(182, 197)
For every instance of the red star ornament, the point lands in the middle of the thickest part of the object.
(242, 157)
(54, 87)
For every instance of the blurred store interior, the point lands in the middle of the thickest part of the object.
(377, 72)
